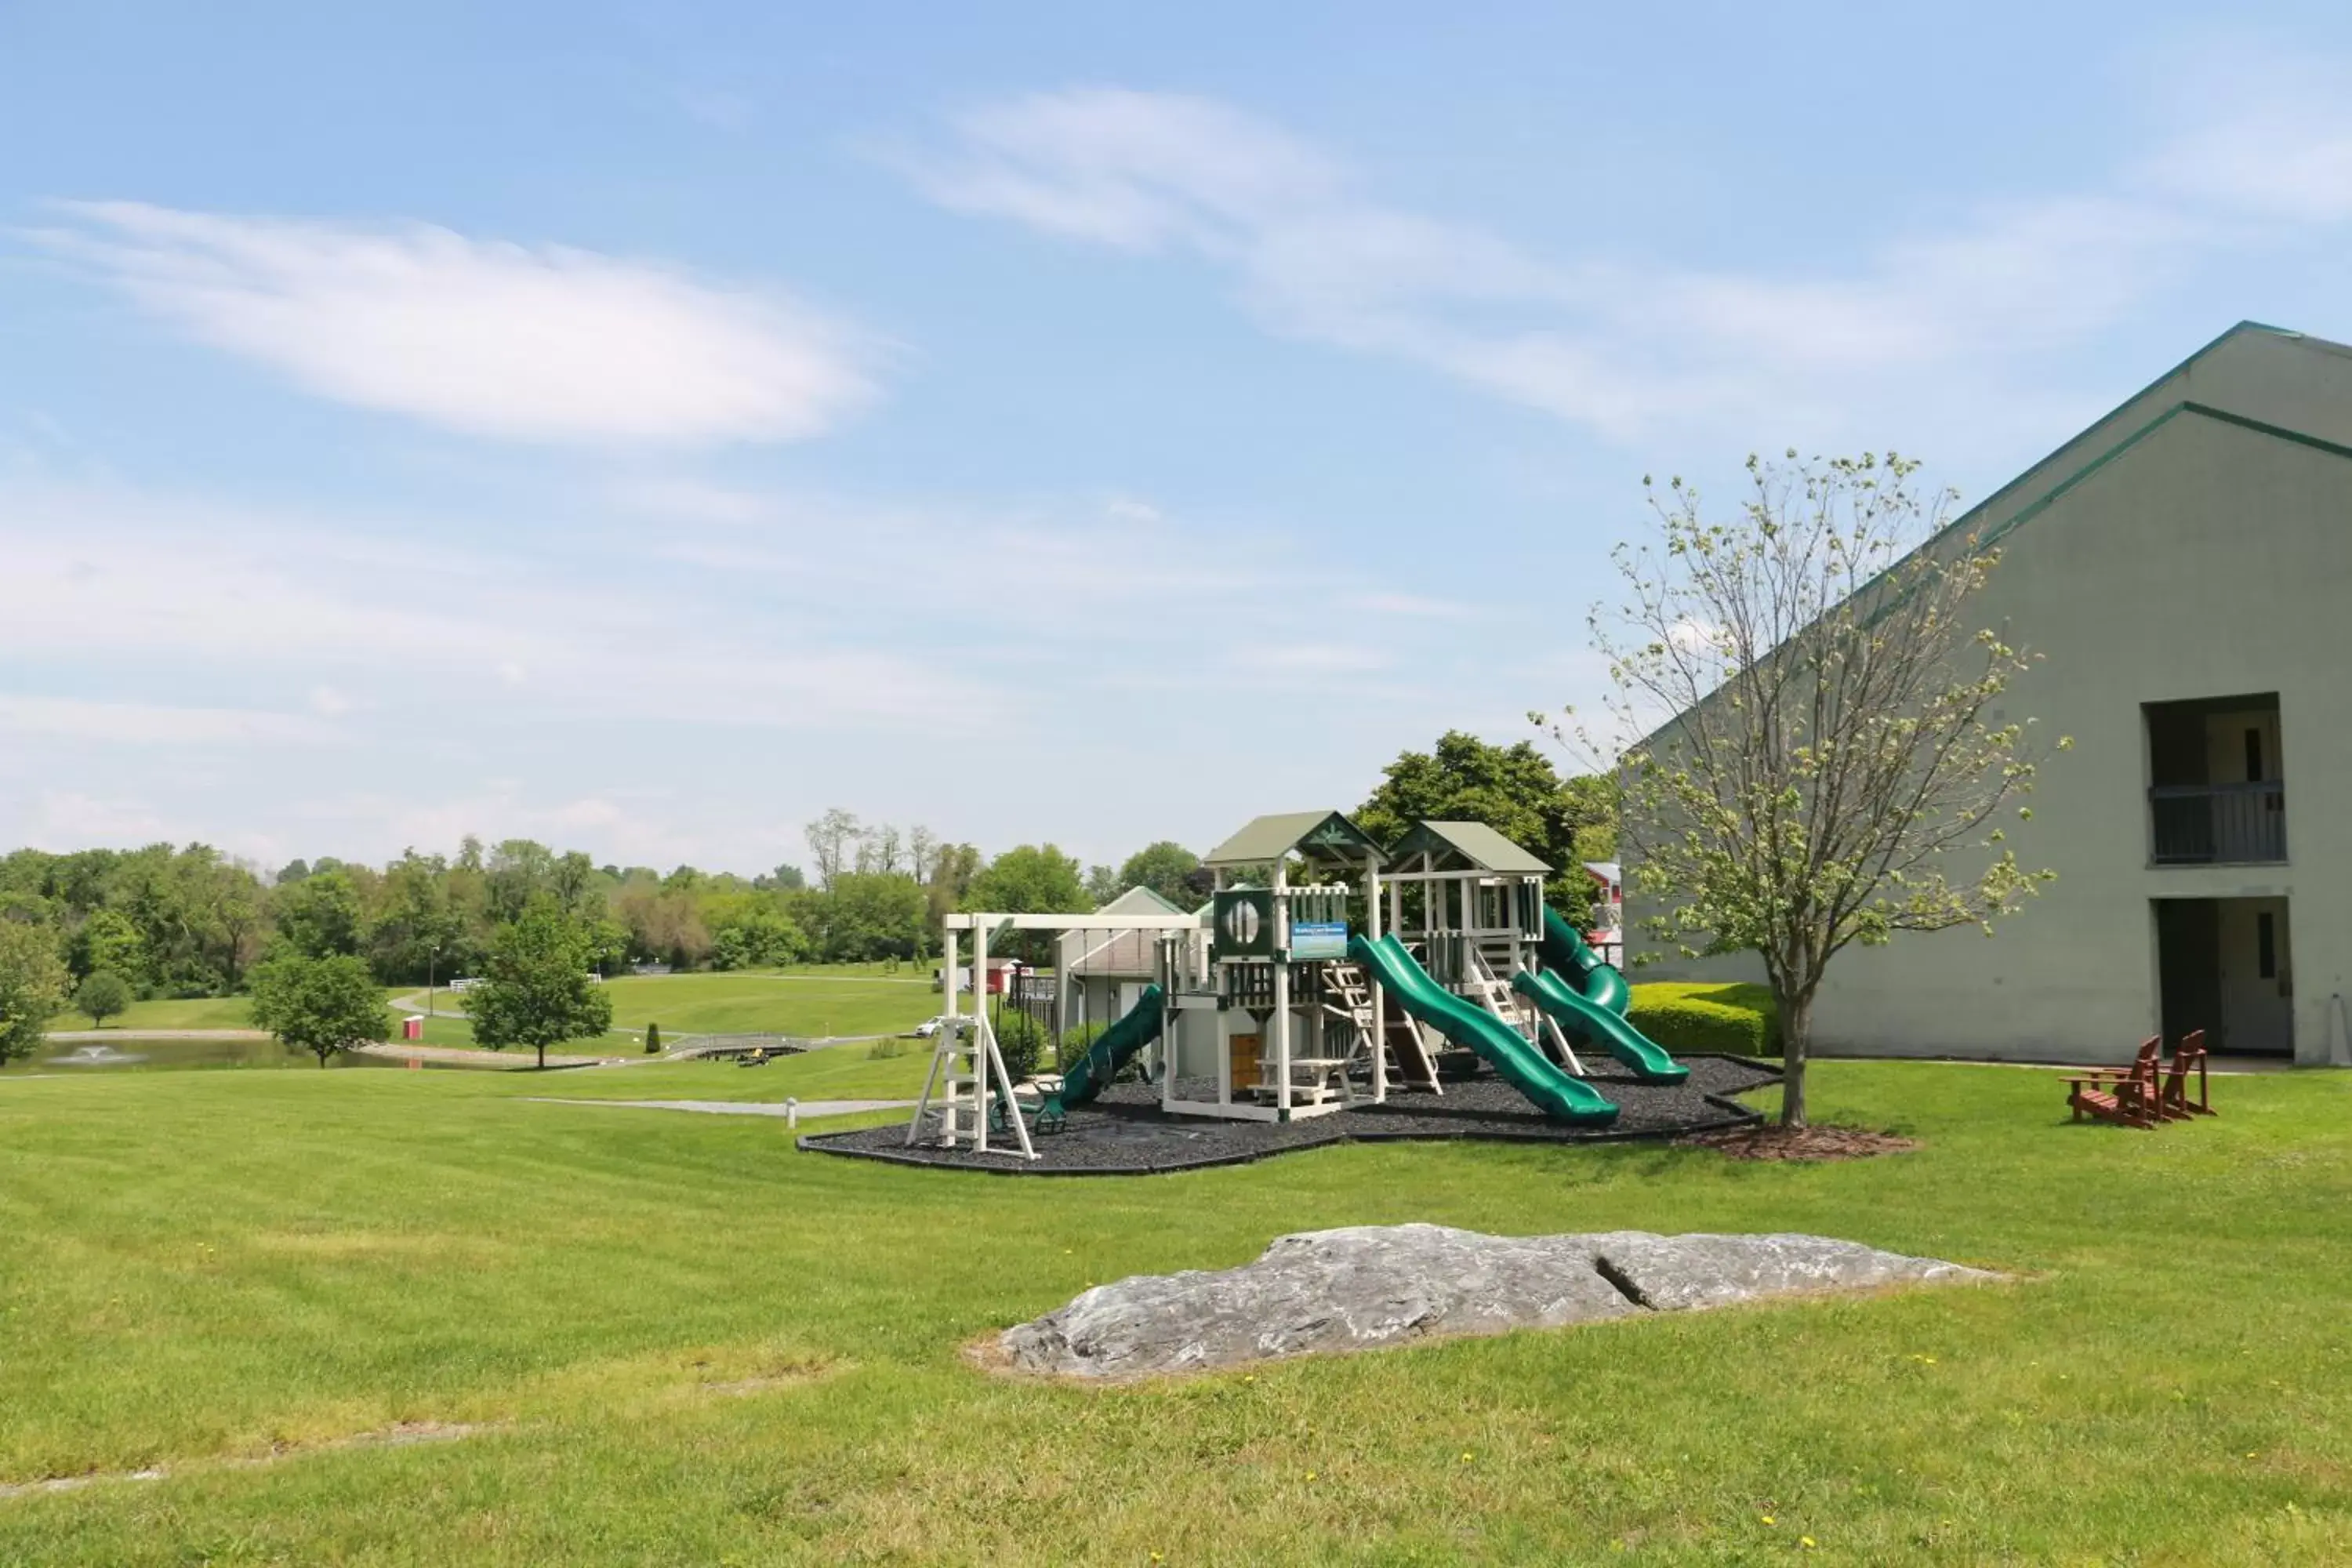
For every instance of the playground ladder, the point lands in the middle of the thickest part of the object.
(1408, 1053)
(956, 1091)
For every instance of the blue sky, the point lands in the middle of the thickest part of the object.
(643, 426)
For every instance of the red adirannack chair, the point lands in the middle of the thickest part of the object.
(2172, 1102)
(2127, 1097)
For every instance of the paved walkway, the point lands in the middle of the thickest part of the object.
(458, 1055)
(808, 1108)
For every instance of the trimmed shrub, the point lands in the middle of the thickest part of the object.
(1075, 1040)
(885, 1048)
(1021, 1040)
(1736, 1019)
(652, 1039)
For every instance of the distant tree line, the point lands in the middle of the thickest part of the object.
(167, 920)
(107, 926)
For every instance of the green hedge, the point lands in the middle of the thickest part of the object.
(1738, 1019)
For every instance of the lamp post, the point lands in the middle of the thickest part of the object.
(432, 957)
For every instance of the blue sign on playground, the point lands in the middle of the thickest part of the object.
(1319, 939)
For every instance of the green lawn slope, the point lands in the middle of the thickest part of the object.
(659, 1338)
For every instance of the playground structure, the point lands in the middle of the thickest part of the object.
(1324, 973)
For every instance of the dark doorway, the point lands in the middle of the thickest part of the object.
(2188, 969)
(2227, 966)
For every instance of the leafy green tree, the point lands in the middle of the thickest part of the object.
(1029, 879)
(953, 866)
(109, 940)
(418, 933)
(1103, 885)
(759, 938)
(103, 996)
(867, 915)
(1839, 768)
(1513, 789)
(536, 989)
(319, 1004)
(1166, 868)
(32, 986)
(319, 916)
(520, 870)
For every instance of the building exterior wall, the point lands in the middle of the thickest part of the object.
(2205, 560)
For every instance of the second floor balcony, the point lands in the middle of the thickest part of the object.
(2217, 824)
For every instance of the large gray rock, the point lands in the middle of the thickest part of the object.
(1322, 1291)
(1676, 1273)
(1366, 1286)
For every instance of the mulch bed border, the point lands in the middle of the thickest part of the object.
(1736, 1116)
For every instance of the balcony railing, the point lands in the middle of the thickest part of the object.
(2225, 824)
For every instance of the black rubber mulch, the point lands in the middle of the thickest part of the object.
(1125, 1133)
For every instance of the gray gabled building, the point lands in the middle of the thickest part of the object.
(2185, 568)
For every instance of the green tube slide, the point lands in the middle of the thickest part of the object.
(1136, 1029)
(1586, 1021)
(1564, 950)
(1521, 1064)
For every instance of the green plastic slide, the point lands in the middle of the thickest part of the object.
(1521, 1064)
(1588, 998)
(1564, 950)
(1587, 1021)
(1136, 1029)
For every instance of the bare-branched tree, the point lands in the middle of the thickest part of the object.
(1830, 769)
(833, 840)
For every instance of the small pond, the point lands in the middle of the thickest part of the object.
(140, 1053)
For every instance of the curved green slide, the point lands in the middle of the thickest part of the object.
(1521, 1064)
(1134, 1028)
(1588, 998)
(1563, 948)
(1589, 1020)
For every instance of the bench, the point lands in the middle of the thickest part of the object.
(1325, 1080)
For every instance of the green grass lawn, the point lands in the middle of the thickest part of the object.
(677, 1339)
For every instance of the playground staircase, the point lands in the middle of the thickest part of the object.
(1487, 985)
(1409, 1060)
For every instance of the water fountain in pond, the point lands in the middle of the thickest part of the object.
(95, 1057)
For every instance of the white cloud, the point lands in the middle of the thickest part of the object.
(67, 819)
(1416, 606)
(535, 343)
(2264, 136)
(148, 724)
(677, 700)
(1936, 315)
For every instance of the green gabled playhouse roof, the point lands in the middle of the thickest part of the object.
(1481, 845)
(1317, 834)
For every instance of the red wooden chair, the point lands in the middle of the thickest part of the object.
(2127, 1097)
(2172, 1102)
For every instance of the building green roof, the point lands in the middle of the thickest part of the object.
(1317, 834)
(1485, 849)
